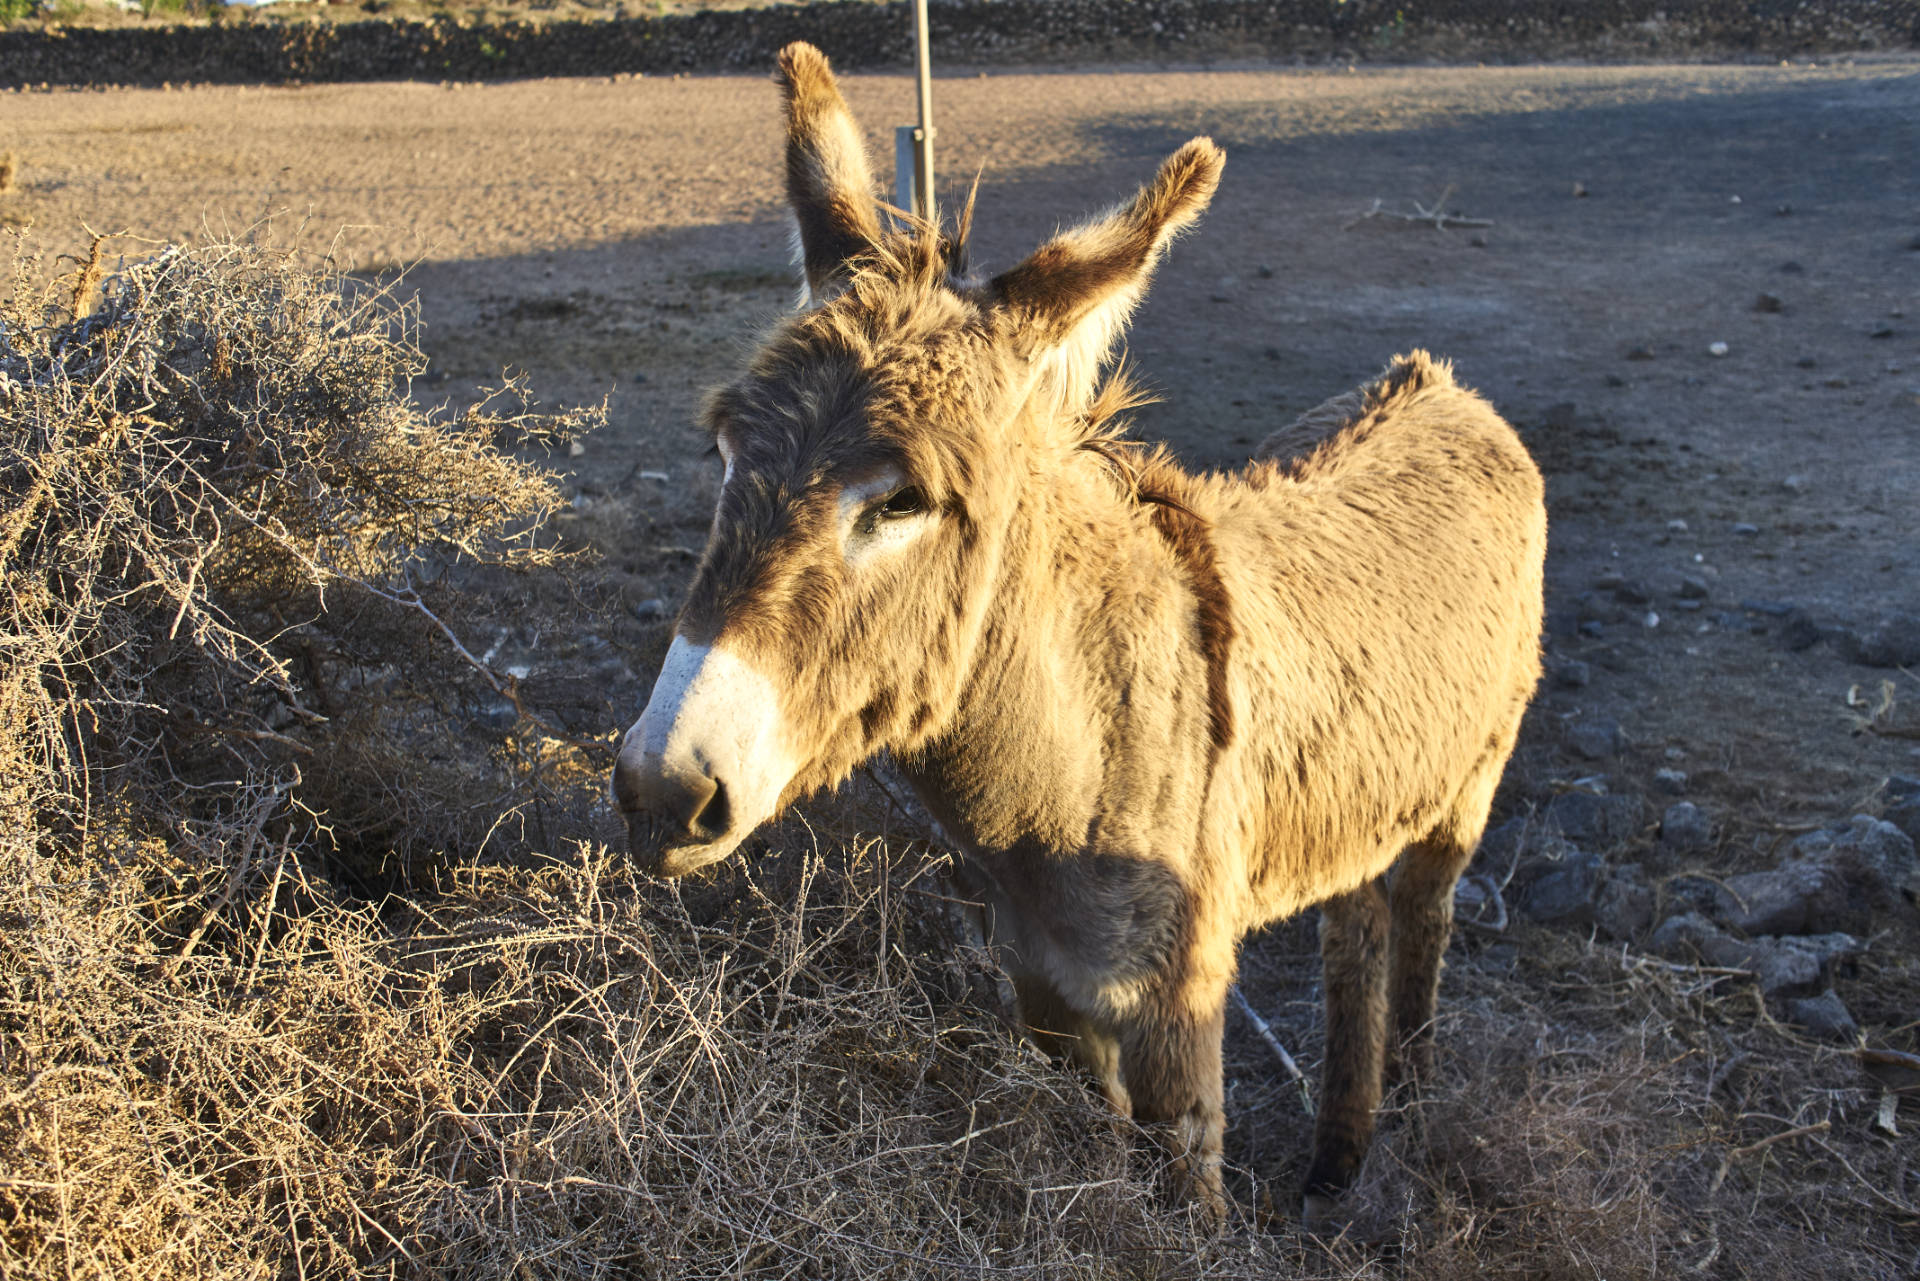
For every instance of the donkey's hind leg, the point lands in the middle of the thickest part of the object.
(1353, 954)
(1423, 920)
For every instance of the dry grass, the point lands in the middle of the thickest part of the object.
(240, 567)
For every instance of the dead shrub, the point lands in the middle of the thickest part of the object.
(236, 553)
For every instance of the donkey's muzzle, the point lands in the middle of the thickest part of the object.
(669, 808)
(705, 763)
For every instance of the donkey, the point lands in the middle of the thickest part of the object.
(1156, 710)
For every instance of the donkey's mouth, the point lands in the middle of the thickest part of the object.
(657, 857)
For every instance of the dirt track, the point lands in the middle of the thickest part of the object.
(586, 232)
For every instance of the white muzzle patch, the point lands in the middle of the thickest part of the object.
(706, 762)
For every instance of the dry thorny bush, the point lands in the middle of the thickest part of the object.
(238, 568)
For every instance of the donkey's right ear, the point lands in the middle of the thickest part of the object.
(828, 180)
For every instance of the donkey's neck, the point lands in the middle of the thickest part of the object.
(1083, 725)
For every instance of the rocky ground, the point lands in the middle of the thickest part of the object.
(1695, 289)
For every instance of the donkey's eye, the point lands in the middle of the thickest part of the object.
(901, 503)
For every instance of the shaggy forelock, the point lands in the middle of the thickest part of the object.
(898, 367)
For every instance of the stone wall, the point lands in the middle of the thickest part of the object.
(965, 33)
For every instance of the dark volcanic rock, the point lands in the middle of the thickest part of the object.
(1825, 1016)
(1903, 805)
(1684, 828)
(1597, 821)
(1624, 908)
(1781, 966)
(1563, 888)
(1892, 642)
(1596, 738)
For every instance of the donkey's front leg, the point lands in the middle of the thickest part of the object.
(1170, 1062)
(1353, 957)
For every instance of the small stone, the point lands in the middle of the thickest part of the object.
(1684, 829)
(1594, 605)
(1625, 905)
(1272, 353)
(1783, 211)
(639, 378)
(1781, 966)
(1873, 858)
(1593, 628)
(1806, 362)
(1650, 620)
(1884, 331)
(1718, 349)
(1782, 901)
(1580, 191)
(1477, 241)
(1792, 268)
(1838, 384)
(1784, 966)
(1572, 673)
(1631, 591)
(651, 609)
(1501, 846)
(1565, 888)
(1742, 529)
(1825, 1015)
(1798, 631)
(1640, 353)
(1601, 821)
(1692, 588)
(1770, 304)
(1671, 782)
(1615, 380)
(1264, 272)
(1596, 739)
(1903, 805)
(1795, 483)
(1892, 642)
(1685, 937)
(1676, 526)
(575, 448)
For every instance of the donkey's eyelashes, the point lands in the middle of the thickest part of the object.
(901, 505)
(905, 501)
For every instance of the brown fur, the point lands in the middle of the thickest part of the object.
(1157, 710)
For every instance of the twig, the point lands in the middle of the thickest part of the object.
(1727, 1160)
(1892, 1203)
(1498, 925)
(1265, 1030)
(1437, 217)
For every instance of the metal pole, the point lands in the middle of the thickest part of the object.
(923, 136)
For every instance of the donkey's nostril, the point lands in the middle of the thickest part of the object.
(687, 803)
(713, 818)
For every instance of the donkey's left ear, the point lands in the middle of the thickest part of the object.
(828, 180)
(1073, 296)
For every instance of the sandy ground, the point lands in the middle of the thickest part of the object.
(624, 239)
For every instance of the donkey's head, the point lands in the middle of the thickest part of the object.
(877, 449)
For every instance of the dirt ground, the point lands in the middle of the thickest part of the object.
(624, 239)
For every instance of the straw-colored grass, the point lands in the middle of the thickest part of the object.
(240, 570)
